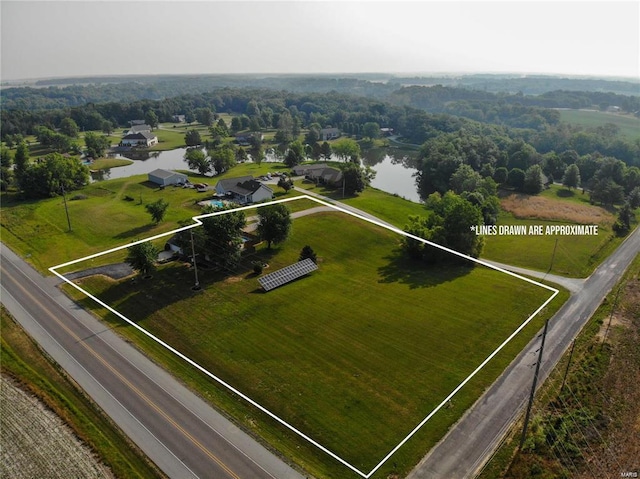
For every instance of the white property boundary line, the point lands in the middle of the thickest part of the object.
(197, 222)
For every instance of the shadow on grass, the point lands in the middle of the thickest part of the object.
(416, 274)
(138, 298)
(138, 232)
(565, 193)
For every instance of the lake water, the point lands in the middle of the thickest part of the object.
(394, 175)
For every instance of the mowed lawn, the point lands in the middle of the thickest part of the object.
(354, 355)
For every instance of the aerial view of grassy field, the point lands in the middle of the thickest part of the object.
(629, 126)
(355, 355)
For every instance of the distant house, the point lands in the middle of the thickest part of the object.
(140, 128)
(179, 118)
(329, 134)
(386, 131)
(244, 190)
(319, 173)
(143, 138)
(245, 139)
(166, 177)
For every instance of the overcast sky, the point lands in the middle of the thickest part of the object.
(55, 38)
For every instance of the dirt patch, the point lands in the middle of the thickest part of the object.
(616, 320)
(538, 207)
(37, 443)
(233, 279)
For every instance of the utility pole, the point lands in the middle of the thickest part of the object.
(566, 371)
(66, 209)
(196, 287)
(533, 386)
(553, 255)
(613, 309)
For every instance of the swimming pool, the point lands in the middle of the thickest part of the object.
(216, 203)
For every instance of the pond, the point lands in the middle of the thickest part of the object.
(395, 172)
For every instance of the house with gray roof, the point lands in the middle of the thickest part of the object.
(143, 138)
(319, 173)
(244, 190)
(167, 177)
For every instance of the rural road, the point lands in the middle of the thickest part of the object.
(179, 432)
(469, 444)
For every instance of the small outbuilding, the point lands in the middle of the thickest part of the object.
(166, 177)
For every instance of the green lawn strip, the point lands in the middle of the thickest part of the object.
(23, 360)
(628, 125)
(106, 163)
(575, 256)
(387, 207)
(362, 349)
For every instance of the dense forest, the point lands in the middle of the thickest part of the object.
(467, 137)
(543, 91)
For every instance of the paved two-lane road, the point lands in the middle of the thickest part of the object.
(181, 434)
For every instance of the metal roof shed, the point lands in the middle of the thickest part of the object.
(165, 177)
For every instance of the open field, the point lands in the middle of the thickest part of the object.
(36, 442)
(545, 207)
(364, 348)
(575, 256)
(24, 363)
(629, 126)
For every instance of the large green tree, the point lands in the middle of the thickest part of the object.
(142, 257)
(53, 174)
(571, 177)
(356, 178)
(21, 159)
(6, 174)
(157, 210)
(69, 127)
(151, 119)
(346, 149)
(371, 130)
(204, 116)
(96, 144)
(533, 180)
(274, 223)
(223, 238)
(192, 138)
(223, 158)
(197, 160)
(449, 224)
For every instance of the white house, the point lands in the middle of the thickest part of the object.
(244, 189)
(329, 134)
(143, 138)
(165, 177)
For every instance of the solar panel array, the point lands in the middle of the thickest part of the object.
(287, 274)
